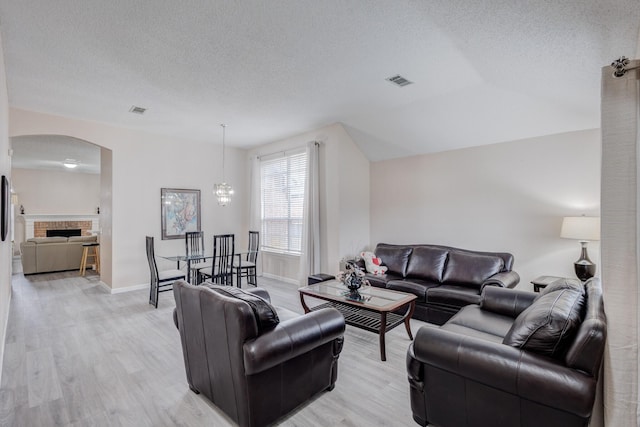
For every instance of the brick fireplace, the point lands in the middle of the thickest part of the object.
(37, 225)
(40, 228)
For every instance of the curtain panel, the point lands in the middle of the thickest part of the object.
(310, 258)
(619, 245)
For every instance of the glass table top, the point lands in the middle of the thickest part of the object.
(372, 297)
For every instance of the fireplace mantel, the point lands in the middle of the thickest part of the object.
(31, 219)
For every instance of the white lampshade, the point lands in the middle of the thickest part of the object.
(583, 228)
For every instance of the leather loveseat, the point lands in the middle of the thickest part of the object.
(48, 254)
(252, 362)
(443, 278)
(518, 359)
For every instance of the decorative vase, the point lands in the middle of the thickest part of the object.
(353, 278)
(353, 283)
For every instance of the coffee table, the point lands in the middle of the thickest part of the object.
(373, 313)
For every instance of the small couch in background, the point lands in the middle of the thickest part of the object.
(443, 278)
(49, 254)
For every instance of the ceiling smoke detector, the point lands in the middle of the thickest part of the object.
(399, 80)
(137, 110)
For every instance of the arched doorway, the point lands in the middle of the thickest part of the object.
(62, 181)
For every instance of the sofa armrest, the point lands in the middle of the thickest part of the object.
(505, 279)
(512, 370)
(292, 338)
(508, 302)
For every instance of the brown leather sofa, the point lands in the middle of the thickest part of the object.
(251, 365)
(443, 278)
(518, 359)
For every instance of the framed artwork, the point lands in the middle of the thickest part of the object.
(180, 212)
(4, 208)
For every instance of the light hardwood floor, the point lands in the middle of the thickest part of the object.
(76, 355)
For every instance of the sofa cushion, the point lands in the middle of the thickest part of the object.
(476, 322)
(548, 324)
(453, 295)
(380, 281)
(395, 257)
(264, 313)
(416, 287)
(471, 269)
(427, 263)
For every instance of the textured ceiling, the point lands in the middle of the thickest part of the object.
(484, 71)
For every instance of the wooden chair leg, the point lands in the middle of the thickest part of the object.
(83, 261)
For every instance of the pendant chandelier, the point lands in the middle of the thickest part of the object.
(223, 191)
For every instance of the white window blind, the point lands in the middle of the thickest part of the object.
(282, 185)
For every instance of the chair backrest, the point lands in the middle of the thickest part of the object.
(254, 246)
(223, 253)
(194, 244)
(151, 259)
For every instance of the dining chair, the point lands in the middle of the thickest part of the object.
(194, 246)
(221, 271)
(247, 267)
(160, 280)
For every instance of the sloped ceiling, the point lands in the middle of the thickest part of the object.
(483, 71)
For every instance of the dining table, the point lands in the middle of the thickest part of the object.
(192, 273)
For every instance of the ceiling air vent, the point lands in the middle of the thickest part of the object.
(137, 110)
(399, 80)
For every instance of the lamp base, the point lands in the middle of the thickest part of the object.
(584, 268)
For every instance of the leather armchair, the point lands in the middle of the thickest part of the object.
(464, 373)
(254, 374)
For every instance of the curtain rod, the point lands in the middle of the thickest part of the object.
(284, 152)
(620, 66)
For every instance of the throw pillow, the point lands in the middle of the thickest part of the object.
(548, 324)
(264, 313)
(560, 284)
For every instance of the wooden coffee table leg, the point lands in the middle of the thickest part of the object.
(383, 331)
(407, 318)
(304, 305)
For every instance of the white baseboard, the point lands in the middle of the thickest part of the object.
(282, 279)
(122, 290)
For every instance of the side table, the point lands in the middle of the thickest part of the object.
(542, 282)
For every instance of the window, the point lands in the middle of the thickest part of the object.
(282, 187)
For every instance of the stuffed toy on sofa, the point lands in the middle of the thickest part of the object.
(373, 264)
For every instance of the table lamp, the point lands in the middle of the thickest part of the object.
(584, 229)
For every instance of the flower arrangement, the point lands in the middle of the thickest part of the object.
(352, 277)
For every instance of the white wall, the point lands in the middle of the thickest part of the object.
(5, 169)
(505, 197)
(53, 192)
(344, 199)
(56, 192)
(142, 164)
